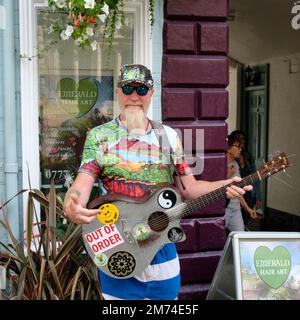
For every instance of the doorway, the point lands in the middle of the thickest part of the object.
(263, 36)
(255, 118)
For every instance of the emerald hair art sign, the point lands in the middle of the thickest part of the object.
(77, 98)
(69, 107)
(272, 266)
(270, 271)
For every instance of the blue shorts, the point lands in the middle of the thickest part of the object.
(159, 281)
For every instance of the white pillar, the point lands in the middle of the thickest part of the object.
(10, 119)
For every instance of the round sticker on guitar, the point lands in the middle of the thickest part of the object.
(100, 260)
(121, 264)
(109, 213)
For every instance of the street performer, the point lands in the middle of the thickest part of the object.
(125, 156)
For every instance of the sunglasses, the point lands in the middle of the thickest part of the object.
(141, 90)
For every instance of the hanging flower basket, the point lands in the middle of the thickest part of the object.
(81, 18)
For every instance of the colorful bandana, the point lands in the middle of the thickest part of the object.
(135, 73)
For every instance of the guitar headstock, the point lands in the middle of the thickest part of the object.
(277, 163)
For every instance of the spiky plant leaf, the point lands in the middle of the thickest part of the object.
(31, 272)
(52, 219)
(41, 280)
(21, 286)
(75, 282)
(55, 277)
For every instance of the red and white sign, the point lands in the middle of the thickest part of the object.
(104, 238)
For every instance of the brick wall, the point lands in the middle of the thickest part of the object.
(194, 77)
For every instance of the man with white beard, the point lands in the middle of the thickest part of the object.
(125, 155)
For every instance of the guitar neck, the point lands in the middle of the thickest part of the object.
(220, 193)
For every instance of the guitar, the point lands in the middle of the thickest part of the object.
(126, 235)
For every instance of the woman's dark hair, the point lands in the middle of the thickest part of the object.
(238, 135)
(232, 139)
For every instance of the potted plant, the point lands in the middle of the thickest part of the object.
(50, 263)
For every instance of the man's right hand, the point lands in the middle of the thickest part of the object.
(74, 210)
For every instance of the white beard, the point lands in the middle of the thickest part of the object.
(135, 121)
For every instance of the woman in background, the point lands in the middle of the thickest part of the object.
(247, 166)
(233, 214)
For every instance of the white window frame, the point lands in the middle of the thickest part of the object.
(29, 77)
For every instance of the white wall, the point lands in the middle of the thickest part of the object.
(232, 89)
(284, 135)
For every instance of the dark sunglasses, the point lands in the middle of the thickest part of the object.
(141, 90)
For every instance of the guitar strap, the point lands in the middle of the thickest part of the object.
(165, 146)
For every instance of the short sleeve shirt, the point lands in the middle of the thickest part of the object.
(128, 164)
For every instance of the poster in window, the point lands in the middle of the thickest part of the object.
(68, 109)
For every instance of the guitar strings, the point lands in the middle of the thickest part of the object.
(188, 206)
(214, 197)
(291, 155)
(203, 201)
(159, 222)
(284, 182)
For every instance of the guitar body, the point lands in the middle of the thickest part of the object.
(125, 236)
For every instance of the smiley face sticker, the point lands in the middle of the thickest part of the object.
(109, 213)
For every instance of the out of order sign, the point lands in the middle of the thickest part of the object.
(104, 238)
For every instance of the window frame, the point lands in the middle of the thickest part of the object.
(29, 78)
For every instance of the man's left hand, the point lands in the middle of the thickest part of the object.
(235, 191)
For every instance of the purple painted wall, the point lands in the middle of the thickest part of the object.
(194, 77)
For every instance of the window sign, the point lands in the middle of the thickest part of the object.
(258, 266)
(73, 107)
(76, 93)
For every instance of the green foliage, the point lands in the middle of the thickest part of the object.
(151, 12)
(50, 263)
(81, 20)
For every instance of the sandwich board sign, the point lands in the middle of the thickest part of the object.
(258, 266)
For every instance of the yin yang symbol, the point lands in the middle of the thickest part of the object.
(167, 199)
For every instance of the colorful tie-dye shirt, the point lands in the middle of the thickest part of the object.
(130, 164)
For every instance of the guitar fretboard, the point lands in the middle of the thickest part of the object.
(220, 193)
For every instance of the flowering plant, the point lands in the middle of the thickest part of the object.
(82, 17)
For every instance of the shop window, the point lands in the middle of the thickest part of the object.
(76, 93)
